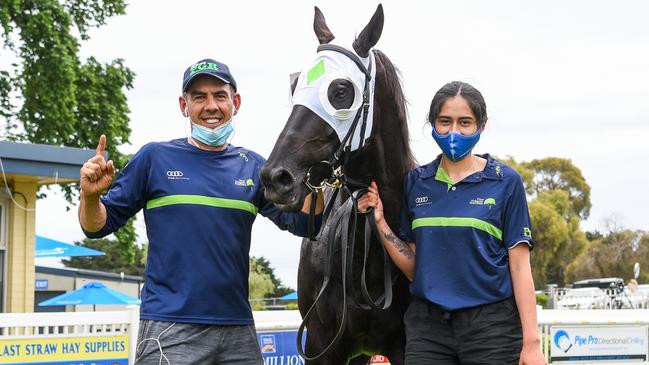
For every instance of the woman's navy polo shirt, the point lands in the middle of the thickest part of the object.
(463, 232)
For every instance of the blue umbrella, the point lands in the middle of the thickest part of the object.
(46, 247)
(289, 296)
(91, 293)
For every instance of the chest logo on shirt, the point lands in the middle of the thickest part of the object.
(176, 175)
(421, 200)
(244, 182)
(482, 201)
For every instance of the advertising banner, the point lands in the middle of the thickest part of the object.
(279, 348)
(599, 343)
(99, 350)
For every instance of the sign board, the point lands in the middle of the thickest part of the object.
(279, 348)
(41, 284)
(599, 343)
(100, 350)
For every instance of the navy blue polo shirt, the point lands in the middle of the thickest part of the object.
(199, 207)
(463, 231)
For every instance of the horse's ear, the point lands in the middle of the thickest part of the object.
(371, 34)
(320, 27)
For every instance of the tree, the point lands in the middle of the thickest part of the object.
(613, 255)
(560, 199)
(279, 289)
(259, 282)
(63, 101)
(112, 261)
(553, 173)
(48, 95)
(557, 236)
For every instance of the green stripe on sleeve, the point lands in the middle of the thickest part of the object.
(458, 222)
(202, 200)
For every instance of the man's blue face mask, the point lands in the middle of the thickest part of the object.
(454, 145)
(212, 137)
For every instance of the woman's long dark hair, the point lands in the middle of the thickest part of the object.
(459, 88)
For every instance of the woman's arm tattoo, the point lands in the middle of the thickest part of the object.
(399, 244)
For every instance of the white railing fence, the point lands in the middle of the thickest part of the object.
(17, 326)
(566, 298)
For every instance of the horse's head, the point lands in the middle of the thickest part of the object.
(332, 111)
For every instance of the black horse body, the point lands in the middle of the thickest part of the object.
(385, 158)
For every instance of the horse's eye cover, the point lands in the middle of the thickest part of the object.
(312, 85)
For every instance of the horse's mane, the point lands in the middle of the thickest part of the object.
(393, 83)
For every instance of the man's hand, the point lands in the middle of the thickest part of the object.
(96, 173)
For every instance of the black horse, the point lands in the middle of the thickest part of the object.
(295, 167)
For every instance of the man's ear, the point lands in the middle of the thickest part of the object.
(183, 106)
(236, 100)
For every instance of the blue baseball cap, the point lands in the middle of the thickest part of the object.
(210, 67)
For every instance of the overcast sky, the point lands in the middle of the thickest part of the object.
(563, 79)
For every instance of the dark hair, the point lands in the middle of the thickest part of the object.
(466, 91)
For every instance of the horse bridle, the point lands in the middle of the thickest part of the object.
(336, 160)
(336, 178)
(348, 210)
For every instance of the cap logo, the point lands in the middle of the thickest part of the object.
(203, 66)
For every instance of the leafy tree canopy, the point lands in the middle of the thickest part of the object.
(49, 96)
(263, 265)
(553, 173)
(560, 198)
(259, 282)
(613, 255)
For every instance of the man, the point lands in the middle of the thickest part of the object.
(200, 196)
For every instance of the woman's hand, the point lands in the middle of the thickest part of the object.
(372, 199)
(532, 355)
(402, 253)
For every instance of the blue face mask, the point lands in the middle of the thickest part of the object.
(212, 137)
(454, 145)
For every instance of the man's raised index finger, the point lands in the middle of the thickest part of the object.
(101, 147)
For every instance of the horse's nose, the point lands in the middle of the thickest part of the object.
(282, 180)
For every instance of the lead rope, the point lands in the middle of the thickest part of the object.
(342, 215)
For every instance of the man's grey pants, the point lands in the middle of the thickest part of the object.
(171, 343)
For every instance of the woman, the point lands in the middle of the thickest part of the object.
(466, 218)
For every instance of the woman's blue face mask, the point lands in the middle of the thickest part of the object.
(455, 145)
